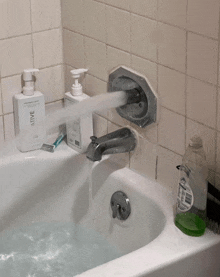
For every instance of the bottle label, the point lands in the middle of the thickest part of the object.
(185, 196)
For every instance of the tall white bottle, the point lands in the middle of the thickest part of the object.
(78, 131)
(29, 115)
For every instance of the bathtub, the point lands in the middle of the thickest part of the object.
(65, 187)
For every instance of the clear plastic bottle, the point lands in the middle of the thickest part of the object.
(192, 190)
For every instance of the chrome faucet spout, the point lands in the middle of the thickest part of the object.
(120, 141)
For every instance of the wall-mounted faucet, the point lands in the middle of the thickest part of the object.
(120, 141)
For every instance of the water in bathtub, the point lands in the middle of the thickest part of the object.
(52, 250)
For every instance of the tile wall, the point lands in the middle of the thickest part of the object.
(175, 43)
(30, 36)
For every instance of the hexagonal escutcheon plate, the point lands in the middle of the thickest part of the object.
(144, 112)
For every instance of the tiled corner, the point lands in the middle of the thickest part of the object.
(73, 49)
(201, 102)
(14, 18)
(143, 42)
(145, 8)
(147, 68)
(173, 12)
(45, 14)
(202, 54)
(15, 55)
(144, 157)
(95, 58)
(172, 48)
(121, 159)
(73, 15)
(49, 81)
(167, 174)
(203, 17)
(47, 47)
(171, 89)
(208, 136)
(118, 26)
(10, 86)
(116, 57)
(95, 23)
(100, 125)
(9, 127)
(171, 131)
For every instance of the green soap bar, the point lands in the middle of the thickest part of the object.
(190, 224)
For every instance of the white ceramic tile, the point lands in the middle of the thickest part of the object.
(201, 102)
(1, 110)
(144, 37)
(45, 14)
(10, 86)
(14, 18)
(1, 132)
(143, 159)
(218, 111)
(171, 89)
(116, 57)
(149, 132)
(50, 82)
(218, 153)
(203, 17)
(47, 47)
(100, 125)
(173, 12)
(202, 54)
(121, 159)
(171, 131)
(73, 49)
(73, 15)
(96, 60)
(9, 127)
(15, 55)
(118, 28)
(167, 174)
(208, 136)
(172, 47)
(95, 86)
(144, 7)
(146, 68)
(95, 23)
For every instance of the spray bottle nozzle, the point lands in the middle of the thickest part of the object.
(77, 87)
(28, 88)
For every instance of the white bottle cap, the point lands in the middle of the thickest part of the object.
(76, 88)
(195, 142)
(28, 88)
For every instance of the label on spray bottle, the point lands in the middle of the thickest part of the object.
(185, 196)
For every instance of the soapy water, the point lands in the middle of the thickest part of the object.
(52, 250)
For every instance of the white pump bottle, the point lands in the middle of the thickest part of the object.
(29, 115)
(78, 131)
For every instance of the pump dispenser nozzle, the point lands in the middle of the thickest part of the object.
(77, 87)
(28, 88)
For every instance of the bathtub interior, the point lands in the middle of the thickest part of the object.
(56, 189)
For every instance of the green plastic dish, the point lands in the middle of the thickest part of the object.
(190, 224)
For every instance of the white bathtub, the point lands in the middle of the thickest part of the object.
(45, 187)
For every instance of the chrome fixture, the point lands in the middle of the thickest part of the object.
(120, 205)
(120, 141)
(142, 109)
